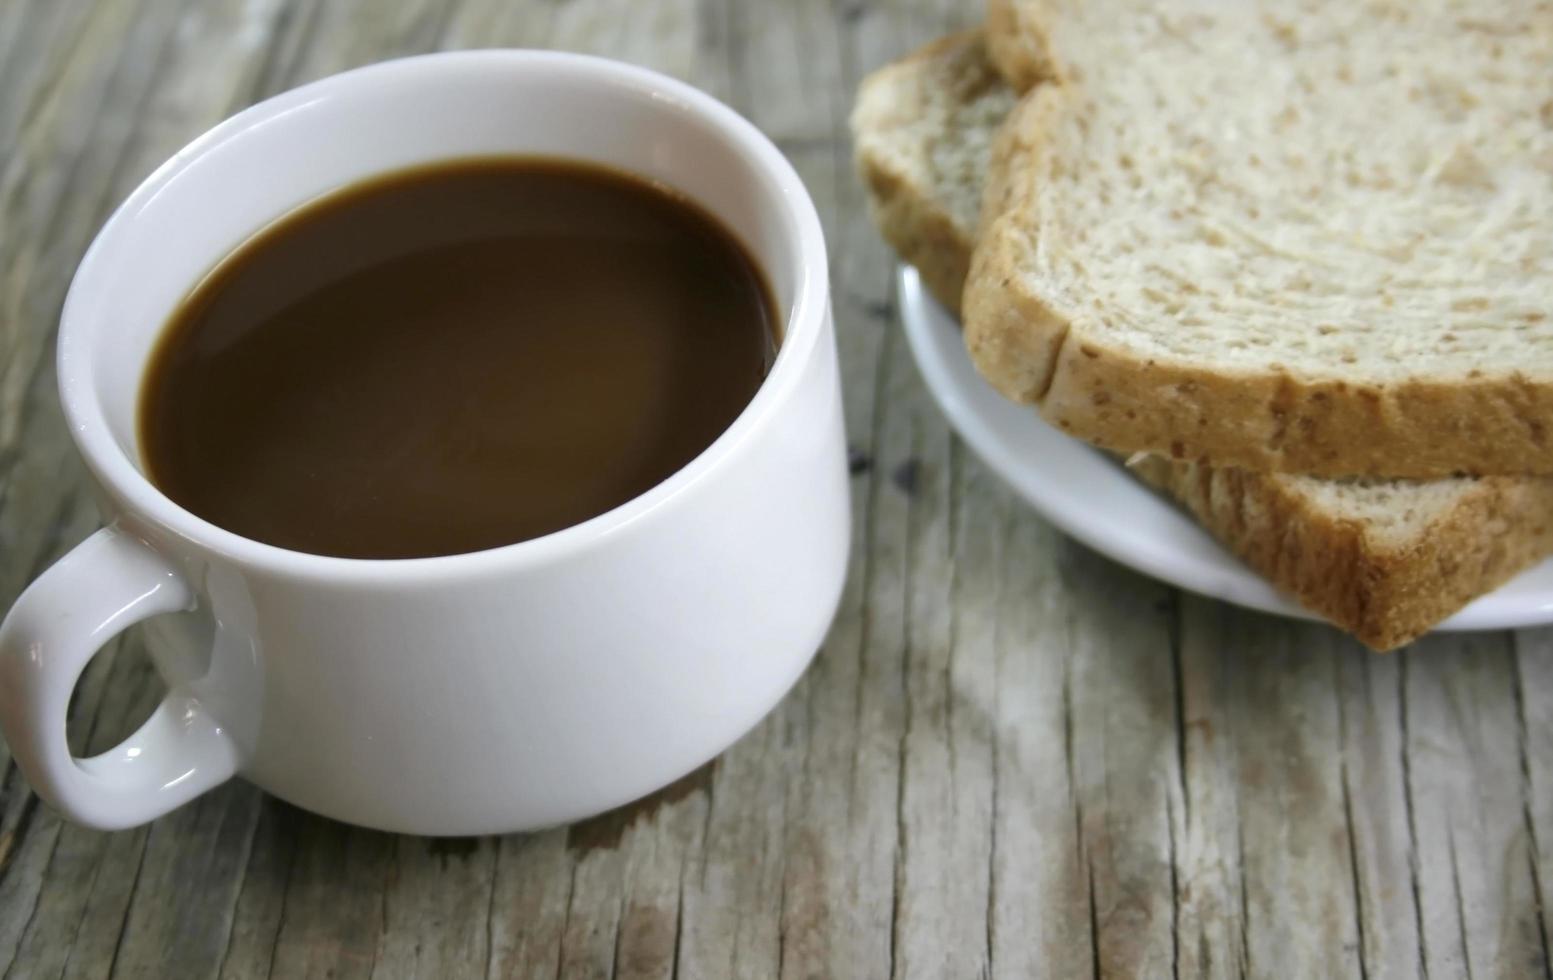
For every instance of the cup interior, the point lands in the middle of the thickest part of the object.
(282, 153)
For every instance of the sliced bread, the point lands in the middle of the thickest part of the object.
(1311, 237)
(1385, 560)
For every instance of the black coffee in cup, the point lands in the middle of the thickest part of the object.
(454, 358)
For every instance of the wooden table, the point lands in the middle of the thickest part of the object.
(1012, 758)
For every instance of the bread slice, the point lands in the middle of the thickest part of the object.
(922, 132)
(1314, 237)
(1384, 560)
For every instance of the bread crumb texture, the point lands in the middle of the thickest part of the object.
(1294, 195)
(923, 129)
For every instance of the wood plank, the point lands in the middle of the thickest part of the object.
(656, 35)
(1465, 789)
(1123, 756)
(945, 805)
(186, 888)
(1038, 919)
(261, 903)
(1383, 854)
(436, 908)
(624, 911)
(35, 38)
(730, 908)
(58, 149)
(1272, 872)
(332, 912)
(493, 24)
(528, 907)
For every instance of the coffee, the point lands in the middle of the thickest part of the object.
(454, 358)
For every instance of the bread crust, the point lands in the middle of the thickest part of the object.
(1017, 45)
(933, 246)
(1383, 593)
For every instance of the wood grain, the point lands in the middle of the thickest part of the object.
(1012, 758)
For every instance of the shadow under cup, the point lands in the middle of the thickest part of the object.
(506, 689)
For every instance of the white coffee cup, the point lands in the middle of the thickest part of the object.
(502, 690)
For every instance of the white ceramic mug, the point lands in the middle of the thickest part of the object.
(502, 690)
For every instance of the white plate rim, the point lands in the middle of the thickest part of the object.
(1157, 539)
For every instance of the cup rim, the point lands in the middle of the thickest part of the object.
(142, 501)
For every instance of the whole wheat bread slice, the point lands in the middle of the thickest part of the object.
(1384, 560)
(1312, 236)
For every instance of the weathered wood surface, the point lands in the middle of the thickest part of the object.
(1011, 758)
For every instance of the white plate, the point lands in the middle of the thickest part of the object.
(1093, 499)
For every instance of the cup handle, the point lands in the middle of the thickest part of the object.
(111, 581)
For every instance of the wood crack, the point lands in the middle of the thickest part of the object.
(241, 881)
(75, 936)
(129, 903)
(382, 911)
(1357, 878)
(870, 536)
(781, 952)
(29, 808)
(490, 911)
(620, 919)
(706, 821)
(995, 762)
(30, 398)
(952, 591)
(901, 836)
(271, 79)
(992, 836)
(1179, 675)
(31, 804)
(990, 927)
(1348, 825)
(1094, 922)
(1175, 891)
(1067, 752)
(1412, 815)
(280, 918)
(1245, 892)
(566, 922)
(46, 92)
(1461, 906)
